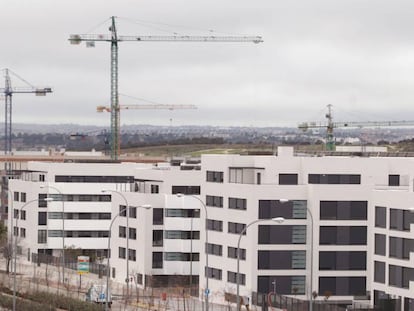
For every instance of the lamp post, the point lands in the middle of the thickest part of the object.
(15, 251)
(63, 228)
(127, 237)
(276, 219)
(207, 290)
(109, 249)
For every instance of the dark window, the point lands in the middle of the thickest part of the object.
(41, 236)
(132, 254)
(42, 219)
(22, 196)
(232, 253)
(393, 180)
(132, 233)
(380, 244)
(286, 234)
(215, 201)
(188, 190)
(155, 189)
(177, 256)
(380, 217)
(22, 232)
(400, 219)
(95, 179)
(122, 211)
(343, 210)
(400, 276)
(342, 260)
(343, 235)
(214, 225)
(157, 216)
(285, 285)
(182, 213)
(292, 209)
(214, 249)
(157, 237)
(342, 286)
(41, 198)
(16, 196)
(23, 215)
(237, 203)
(182, 235)
(379, 272)
(334, 179)
(235, 227)
(122, 232)
(232, 278)
(213, 273)
(281, 260)
(121, 252)
(132, 212)
(157, 260)
(288, 179)
(16, 213)
(214, 176)
(400, 248)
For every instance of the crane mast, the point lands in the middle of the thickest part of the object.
(114, 38)
(330, 140)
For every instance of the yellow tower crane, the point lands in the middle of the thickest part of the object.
(114, 38)
(142, 106)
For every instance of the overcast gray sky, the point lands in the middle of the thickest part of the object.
(357, 55)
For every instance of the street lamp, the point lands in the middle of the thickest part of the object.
(207, 290)
(279, 220)
(127, 237)
(15, 251)
(145, 206)
(63, 226)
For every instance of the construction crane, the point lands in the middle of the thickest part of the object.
(8, 92)
(142, 106)
(114, 39)
(330, 125)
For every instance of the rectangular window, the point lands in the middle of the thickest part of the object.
(343, 235)
(132, 254)
(132, 212)
(213, 176)
(121, 252)
(214, 249)
(182, 213)
(182, 235)
(232, 278)
(42, 219)
(22, 232)
(393, 180)
(157, 237)
(214, 201)
(285, 285)
(41, 236)
(232, 253)
(95, 179)
(214, 225)
(380, 240)
(15, 231)
(15, 213)
(157, 261)
(282, 234)
(122, 232)
(379, 272)
(157, 216)
(187, 190)
(281, 260)
(41, 200)
(343, 210)
(400, 248)
(380, 217)
(132, 233)
(22, 196)
(400, 219)
(122, 211)
(23, 215)
(343, 286)
(16, 196)
(342, 260)
(326, 179)
(288, 179)
(177, 256)
(213, 273)
(293, 209)
(234, 227)
(400, 276)
(237, 203)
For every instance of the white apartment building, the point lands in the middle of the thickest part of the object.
(346, 232)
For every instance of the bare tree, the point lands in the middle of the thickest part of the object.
(6, 246)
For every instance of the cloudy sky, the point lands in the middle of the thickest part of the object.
(357, 55)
